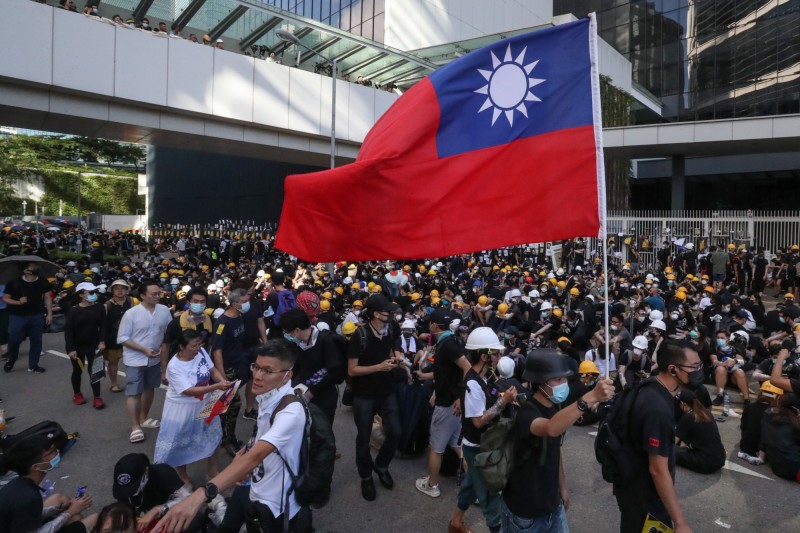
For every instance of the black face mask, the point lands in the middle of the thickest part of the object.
(696, 380)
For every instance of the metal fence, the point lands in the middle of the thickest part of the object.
(647, 230)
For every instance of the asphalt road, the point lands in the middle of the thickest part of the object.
(746, 498)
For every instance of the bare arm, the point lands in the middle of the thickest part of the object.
(659, 470)
(776, 377)
(562, 420)
(354, 369)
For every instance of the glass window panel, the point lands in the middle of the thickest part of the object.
(367, 11)
(366, 29)
(379, 28)
(325, 11)
(380, 6)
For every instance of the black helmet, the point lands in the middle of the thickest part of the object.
(541, 365)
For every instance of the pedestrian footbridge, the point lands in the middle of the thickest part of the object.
(69, 73)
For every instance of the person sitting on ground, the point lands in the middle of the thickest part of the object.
(701, 448)
(750, 448)
(117, 517)
(728, 367)
(21, 505)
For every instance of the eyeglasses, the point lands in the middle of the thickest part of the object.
(255, 369)
(692, 368)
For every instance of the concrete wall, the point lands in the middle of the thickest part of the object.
(414, 24)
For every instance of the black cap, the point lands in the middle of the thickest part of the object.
(377, 303)
(128, 474)
(442, 317)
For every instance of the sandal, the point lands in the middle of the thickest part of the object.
(151, 423)
(115, 388)
(137, 435)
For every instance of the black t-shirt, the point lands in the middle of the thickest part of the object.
(533, 489)
(21, 506)
(323, 355)
(33, 290)
(84, 327)
(447, 376)
(781, 442)
(114, 314)
(376, 350)
(653, 430)
(251, 337)
(702, 436)
(229, 336)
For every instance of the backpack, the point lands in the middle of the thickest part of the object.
(311, 484)
(52, 430)
(498, 456)
(285, 303)
(620, 460)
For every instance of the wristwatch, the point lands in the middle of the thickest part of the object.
(582, 405)
(211, 491)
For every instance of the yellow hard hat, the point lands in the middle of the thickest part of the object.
(704, 276)
(415, 296)
(163, 275)
(588, 367)
(434, 293)
(562, 284)
(406, 268)
(327, 295)
(563, 339)
(667, 270)
(231, 265)
(680, 295)
(482, 299)
(165, 262)
(370, 285)
(435, 300)
(495, 267)
(355, 287)
(553, 282)
(709, 289)
(204, 268)
(357, 303)
(126, 268)
(67, 284)
(348, 328)
(325, 305)
(788, 296)
(558, 312)
(574, 291)
(671, 277)
(87, 272)
(377, 288)
(339, 290)
(768, 387)
(502, 309)
(431, 272)
(95, 244)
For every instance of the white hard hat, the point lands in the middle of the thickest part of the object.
(95, 270)
(348, 280)
(505, 367)
(546, 306)
(550, 275)
(659, 324)
(323, 326)
(533, 294)
(560, 272)
(743, 334)
(655, 314)
(186, 288)
(174, 281)
(211, 287)
(514, 293)
(71, 264)
(483, 339)
(408, 324)
(260, 273)
(689, 246)
(219, 283)
(640, 341)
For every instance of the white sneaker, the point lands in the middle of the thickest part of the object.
(752, 459)
(424, 487)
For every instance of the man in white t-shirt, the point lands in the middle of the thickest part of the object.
(141, 334)
(263, 459)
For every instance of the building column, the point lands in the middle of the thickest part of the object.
(678, 183)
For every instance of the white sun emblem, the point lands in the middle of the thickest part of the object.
(507, 86)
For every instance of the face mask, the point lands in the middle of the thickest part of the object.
(726, 308)
(92, 298)
(703, 282)
(197, 308)
(356, 312)
(398, 317)
(694, 335)
(291, 338)
(407, 334)
(640, 318)
(674, 316)
(782, 320)
(54, 462)
(560, 393)
(613, 327)
(637, 351)
(245, 307)
(721, 343)
(544, 314)
(696, 380)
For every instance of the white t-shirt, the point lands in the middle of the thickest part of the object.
(270, 480)
(145, 328)
(601, 363)
(474, 405)
(184, 375)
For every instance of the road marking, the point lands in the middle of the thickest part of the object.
(739, 468)
(119, 372)
(593, 433)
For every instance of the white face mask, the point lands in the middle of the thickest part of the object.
(674, 316)
(637, 351)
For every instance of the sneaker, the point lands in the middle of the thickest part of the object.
(424, 487)
(98, 403)
(719, 400)
(9, 366)
(36, 370)
(368, 489)
(252, 414)
(78, 399)
(752, 459)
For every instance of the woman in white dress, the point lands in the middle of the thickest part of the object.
(183, 440)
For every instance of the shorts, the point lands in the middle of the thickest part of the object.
(445, 429)
(113, 355)
(141, 378)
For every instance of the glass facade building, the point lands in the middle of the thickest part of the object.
(705, 59)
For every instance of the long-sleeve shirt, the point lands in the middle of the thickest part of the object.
(83, 329)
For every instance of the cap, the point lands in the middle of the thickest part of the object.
(687, 397)
(442, 317)
(377, 303)
(128, 474)
(85, 286)
(741, 313)
(120, 282)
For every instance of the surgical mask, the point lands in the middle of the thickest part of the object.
(613, 327)
(560, 393)
(674, 316)
(174, 285)
(356, 312)
(54, 462)
(197, 308)
(398, 317)
(722, 343)
(291, 338)
(544, 314)
(637, 351)
(694, 334)
(782, 320)
(92, 298)
(641, 318)
(696, 380)
(245, 307)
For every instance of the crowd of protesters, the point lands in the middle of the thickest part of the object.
(427, 353)
(94, 8)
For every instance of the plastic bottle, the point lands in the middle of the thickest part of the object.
(726, 404)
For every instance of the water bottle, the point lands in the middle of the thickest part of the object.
(726, 404)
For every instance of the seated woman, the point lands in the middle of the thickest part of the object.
(21, 505)
(780, 437)
(118, 517)
(700, 447)
(750, 448)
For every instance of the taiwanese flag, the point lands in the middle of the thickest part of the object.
(497, 148)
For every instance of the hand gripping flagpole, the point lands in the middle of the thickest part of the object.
(601, 176)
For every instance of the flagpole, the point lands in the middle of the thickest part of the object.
(601, 176)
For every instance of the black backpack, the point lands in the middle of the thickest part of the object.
(620, 458)
(311, 484)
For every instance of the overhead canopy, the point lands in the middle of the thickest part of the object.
(252, 23)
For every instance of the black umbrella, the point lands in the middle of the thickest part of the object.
(11, 267)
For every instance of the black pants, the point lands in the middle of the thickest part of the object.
(633, 513)
(261, 520)
(87, 358)
(698, 461)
